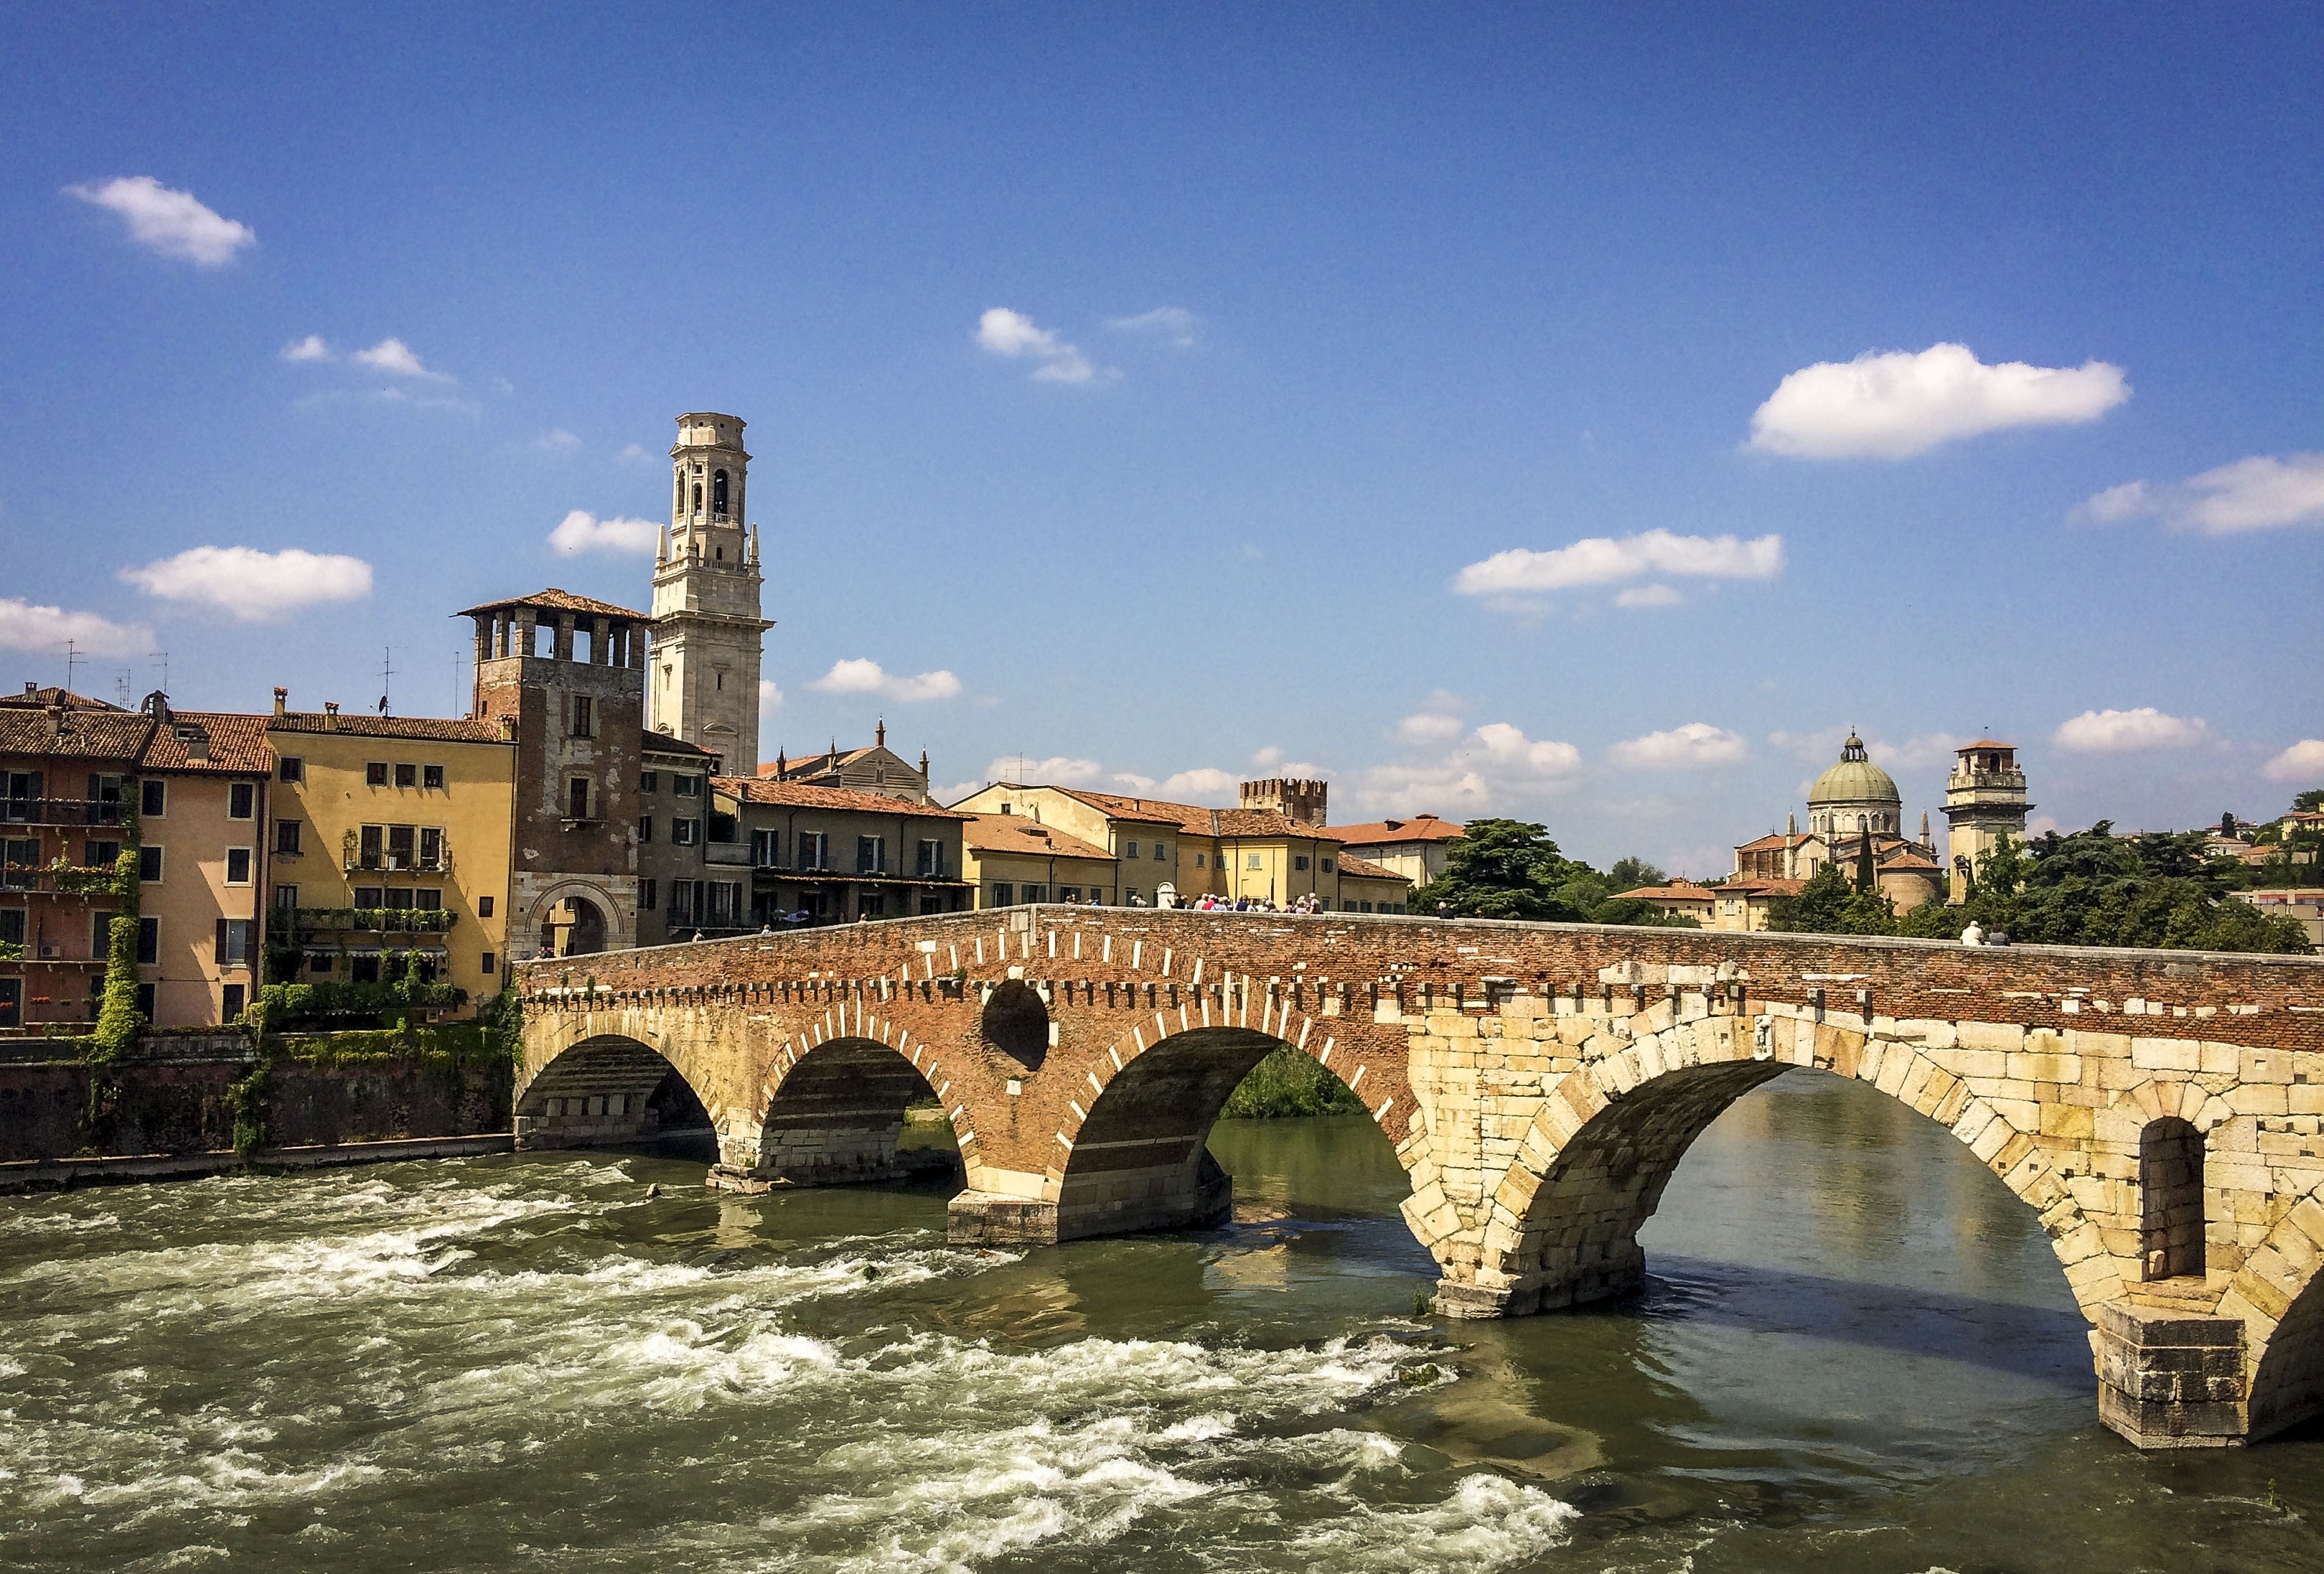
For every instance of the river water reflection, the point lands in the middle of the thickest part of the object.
(1857, 1352)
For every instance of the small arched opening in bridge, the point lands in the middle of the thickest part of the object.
(852, 1111)
(2170, 1199)
(1016, 1024)
(1141, 1158)
(575, 928)
(609, 1090)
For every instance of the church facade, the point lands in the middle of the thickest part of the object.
(1853, 804)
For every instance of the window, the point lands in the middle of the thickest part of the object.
(722, 827)
(242, 800)
(149, 866)
(20, 859)
(1036, 893)
(1327, 865)
(491, 961)
(585, 716)
(683, 905)
(1300, 861)
(1251, 861)
(1198, 860)
(11, 1002)
(290, 768)
(814, 850)
(1003, 894)
(12, 925)
(100, 937)
(319, 961)
(431, 847)
(368, 896)
(407, 775)
(484, 906)
(230, 999)
(431, 777)
(649, 781)
(726, 903)
(399, 846)
(148, 941)
(870, 854)
(428, 899)
(766, 848)
(237, 866)
(375, 773)
(233, 943)
(684, 832)
(399, 899)
(363, 969)
(153, 799)
(145, 1001)
(577, 799)
(99, 854)
(1130, 850)
(686, 787)
(286, 837)
(930, 861)
(873, 905)
(1161, 852)
(286, 898)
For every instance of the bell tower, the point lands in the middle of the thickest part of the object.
(702, 684)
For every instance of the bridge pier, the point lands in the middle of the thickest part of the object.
(1190, 1194)
(2169, 1379)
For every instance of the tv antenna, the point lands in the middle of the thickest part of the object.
(72, 661)
(163, 658)
(386, 673)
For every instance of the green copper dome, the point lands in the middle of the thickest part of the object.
(1853, 781)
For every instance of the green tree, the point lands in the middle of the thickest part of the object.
(1628, 874)
(1820, 908)
(118, 1019)
(2309, 802)
(1504, 868)
(1867, 874)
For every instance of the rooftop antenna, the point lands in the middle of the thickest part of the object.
(386, 672)
(163, 658)
(72, 660)
(121, 682)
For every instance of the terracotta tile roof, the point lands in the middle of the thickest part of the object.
(1677, 890)
(1142, 809)
(1984, 743)
(237, 744)
(663, 744)
(800, 795)
(364, 724)
(1906, 859)
(41, 697)
(1419, 828)
(555, 601)
(1196, 821)
(1758, 888)
(1363, 869)
(118, 735)
(1017, 833)
(1776, 841)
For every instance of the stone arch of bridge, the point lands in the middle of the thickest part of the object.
(2279, 1295)
(834, 1113)
(590, 1084)
(1135, 1155)
(1561, 1230)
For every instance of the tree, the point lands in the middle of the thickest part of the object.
(1820, 908)
(2093, 887)
(118, 1017)
(1867, 874)
(2309, 802)
(1628, 874)
(1504, 868)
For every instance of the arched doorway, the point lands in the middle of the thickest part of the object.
(578, 927)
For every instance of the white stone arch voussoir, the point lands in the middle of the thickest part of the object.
(870, 1028)
(552, 1031)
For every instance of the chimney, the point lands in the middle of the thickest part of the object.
(55, 720)
(281, 700)
(508, 729)
(31, 686)
(198, 746)
(330, 715)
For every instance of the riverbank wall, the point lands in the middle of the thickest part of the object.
(212, 1098)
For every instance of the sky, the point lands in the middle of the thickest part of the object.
(1587, 414)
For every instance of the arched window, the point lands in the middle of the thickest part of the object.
(718, 492)
(2170, 1199)
(697, 497)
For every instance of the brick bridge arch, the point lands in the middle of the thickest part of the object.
(1538, 1083)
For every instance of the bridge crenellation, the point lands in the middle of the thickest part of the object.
(2163, 1113)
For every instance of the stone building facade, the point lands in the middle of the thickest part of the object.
(1985, 800)
(703, 686)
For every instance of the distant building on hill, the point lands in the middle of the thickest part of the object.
(1853, 804)
(1415, 848)
(875, 770)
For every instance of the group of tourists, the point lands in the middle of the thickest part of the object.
(1206, 902)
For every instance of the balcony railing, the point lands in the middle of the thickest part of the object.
(311, 921)
(63, 812)
(62, 880)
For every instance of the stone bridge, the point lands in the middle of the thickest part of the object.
(2157, 1110)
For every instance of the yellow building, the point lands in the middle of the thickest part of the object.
(202, 813)
(1015, 858)
(391, 833)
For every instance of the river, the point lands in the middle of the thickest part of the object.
(1857, 1352)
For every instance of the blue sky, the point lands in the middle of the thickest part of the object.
(1496, 410)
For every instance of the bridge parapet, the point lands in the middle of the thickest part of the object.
(2162, 1112)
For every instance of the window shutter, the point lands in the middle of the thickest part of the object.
(221, 942)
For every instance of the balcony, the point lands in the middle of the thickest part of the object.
(62, 812)
(62, 879)
(309, 922)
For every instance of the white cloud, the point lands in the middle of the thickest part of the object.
(1058, 771)
(1822, 748)
(2127, 732)
(173, 224)
(1897, 404)
(310, 348)
(1174, 323)
(2303, 762)
(395, 357)
(2261, 493)
(1206, 786)
(634, 454)
(1688, 747)
(1016, 336)
(251, 584)
(1492, 765)
(26, 627)
(770, 698)
(862, 675)
(582, 532)
(1648, 595)
(1272, 761)
(556, 441)
(1607, 559)
(1428, 727)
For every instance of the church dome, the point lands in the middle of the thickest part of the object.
(1855, 795)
